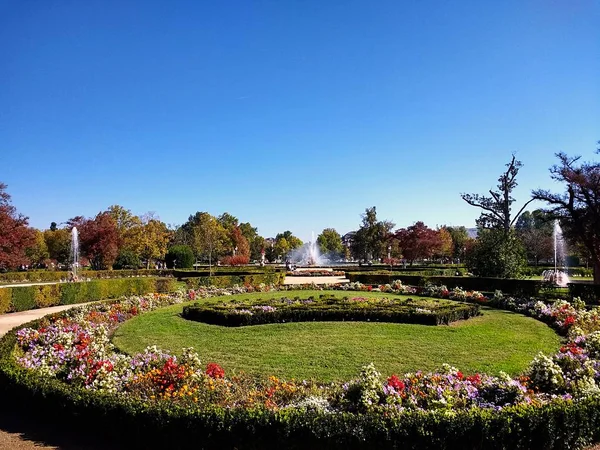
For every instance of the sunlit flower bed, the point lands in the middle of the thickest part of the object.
(75, 348)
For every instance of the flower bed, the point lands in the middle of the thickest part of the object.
(315, 273)
(331, 308)
(65, 366)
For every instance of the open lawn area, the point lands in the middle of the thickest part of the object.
(493, 342)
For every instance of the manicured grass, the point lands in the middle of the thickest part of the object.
(496, 341)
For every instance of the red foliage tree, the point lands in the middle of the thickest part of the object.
(419, 241)
(15, 235)
(99, 240)
(241, 249)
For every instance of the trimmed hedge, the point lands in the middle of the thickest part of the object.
(588, 292)
(23, 298)
(225, 281)
(131, 423)
(221, 271)
(511, 286)
(330, 309)
(36, 276)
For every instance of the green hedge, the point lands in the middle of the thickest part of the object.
(507, 285)
(220, 271)
(36, 276)
(23, 298)
(588, 292)
(330, 308)
(225, 281)
(130, 423)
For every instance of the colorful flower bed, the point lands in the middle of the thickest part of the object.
(70, 355)
(330, 308)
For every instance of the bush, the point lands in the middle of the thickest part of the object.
(225, 281)
(43, 276)
(497, 254)
(588, 292)
(23, 298)
(180, 257)
(5, 300)
(238, 260)
(331, 309)
(127, 259)
(506, 285)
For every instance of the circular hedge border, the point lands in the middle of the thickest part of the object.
(329, 308)
(131, 422)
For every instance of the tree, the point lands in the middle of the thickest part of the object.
(15, 236)
(330, 242)
(444, 245)
(99, 240)
(58, 242)
(420, 242)
(241, 250)
(535, 229)
(286, 242)
(209, 236)
(460, 237)
(38, 253)
(578, 209)
(256, 242)
(127, 259)
(127, 226)
(497, 208)
(369, 241)
(496, 253)
(149, 238)
(179, 257)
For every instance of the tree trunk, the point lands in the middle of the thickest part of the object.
(597, 272)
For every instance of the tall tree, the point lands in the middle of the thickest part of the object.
(460, 237)
(209, 237)
(497, 208)
(286, 242)
(58, 242)
(420, 242)
(330, 242)
(38, 253)
(15, 235)
(579, 207)
(496, 253)
(535, 230)
(149, 239)
(127, 226)
(99, 240)
(369, 241)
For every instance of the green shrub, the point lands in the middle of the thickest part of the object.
(225, 281)
(5, 300)
(43, 276)
(588, 292)
(180, 257)
(330, 309)
(47, 295)
(127, 259)
(23, 298)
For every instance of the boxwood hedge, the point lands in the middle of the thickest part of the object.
(22, 298)
(330, 308)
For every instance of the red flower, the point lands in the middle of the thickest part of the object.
(213, 370)
(569, 321)
(396, 383)
(459, 375)
(192, 294)
(474, 379)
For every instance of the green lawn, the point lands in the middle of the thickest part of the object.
(496, 341)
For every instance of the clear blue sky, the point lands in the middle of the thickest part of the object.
(290, 114)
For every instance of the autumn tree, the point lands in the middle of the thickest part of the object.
(209, 236)
(241, 249)
(38, 252)
(330, 242)
(444, 246)
(369, 241)
(578, 208)
(497, 208)
(256, 242)
(460, 237)
(58, 242)
(15, 236)
(99, 240)
(419, 242)
(149, 238)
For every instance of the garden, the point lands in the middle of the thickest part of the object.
(128, 366)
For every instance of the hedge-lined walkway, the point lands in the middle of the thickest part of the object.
(11, 320)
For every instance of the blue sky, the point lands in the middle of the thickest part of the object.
(290, 114)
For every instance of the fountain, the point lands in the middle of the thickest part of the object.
(308, 255)
(556, 276)
(74, 253)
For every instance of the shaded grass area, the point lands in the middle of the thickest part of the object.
(493, 342)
